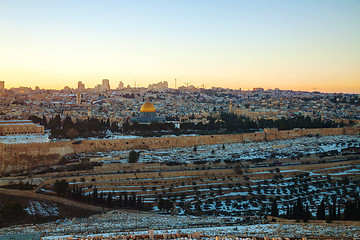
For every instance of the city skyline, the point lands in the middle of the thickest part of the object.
(309, 46)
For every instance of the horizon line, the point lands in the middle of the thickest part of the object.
(196, 87)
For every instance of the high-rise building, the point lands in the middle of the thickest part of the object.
(121, 85)
(105, 85)
(81, 86)
(2, 85)
(159, 86)
(98, 88)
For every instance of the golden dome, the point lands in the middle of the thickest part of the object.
(148, 107)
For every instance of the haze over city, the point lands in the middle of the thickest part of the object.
(303, 45)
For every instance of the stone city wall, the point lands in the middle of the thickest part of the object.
(17, 157)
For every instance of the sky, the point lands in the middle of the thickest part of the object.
(300, 45)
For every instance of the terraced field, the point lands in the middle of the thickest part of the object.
(228, 189)
(214, 185)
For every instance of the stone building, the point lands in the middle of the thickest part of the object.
(18, 127)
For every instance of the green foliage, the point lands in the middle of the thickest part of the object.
(35, 119)
(274, 209)
(165, 204)
(236, 123)
(109, 200)
(68, 128)
(61, 187)
(134, 156)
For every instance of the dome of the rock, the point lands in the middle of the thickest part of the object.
(148, 107)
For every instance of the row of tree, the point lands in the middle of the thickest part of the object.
(240, 123)
(350, 210)
(228, 122)
(105, 199)
(67, 128)
(119, 200)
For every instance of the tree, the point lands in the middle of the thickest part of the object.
(164, 204)
(109, 200)
(95, 196)
(101, 198)
(61, 187)
(35, 119)
(68, 123)
(71, 133)
(132, 201)
(168, 205)
(126, 200)
(274, 208)
(56, 122)
(299, 211)
(114, 127)
(161, 203)
(320, 213)
(134, 156)
(119, 201)
(44, 121)
(139, 203)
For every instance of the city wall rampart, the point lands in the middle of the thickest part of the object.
(17, 157)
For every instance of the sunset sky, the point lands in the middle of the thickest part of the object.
(300, 45)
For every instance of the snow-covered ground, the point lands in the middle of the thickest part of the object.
(118, 223)
(43, 209)
(237, 200)
(240, 151)
(11, 139)
(239, 232)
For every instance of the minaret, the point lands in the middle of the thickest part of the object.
(230, 107)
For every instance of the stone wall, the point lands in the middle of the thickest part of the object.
(17, 157)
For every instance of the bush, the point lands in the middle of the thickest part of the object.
(134, 156)
(61, 187)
